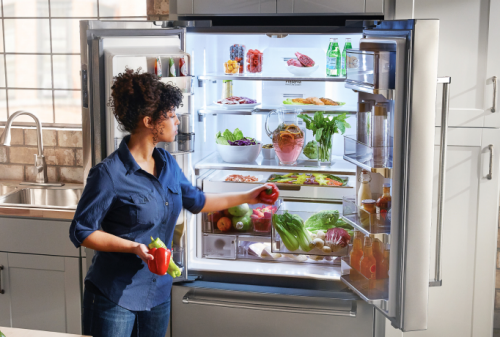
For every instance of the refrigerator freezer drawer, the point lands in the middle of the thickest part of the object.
(284, 312)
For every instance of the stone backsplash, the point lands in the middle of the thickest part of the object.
(62, 150)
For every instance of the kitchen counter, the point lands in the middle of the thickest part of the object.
(32, 212)
(14, 332)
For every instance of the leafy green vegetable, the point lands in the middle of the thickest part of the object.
(228, 136)
(311, 150)
(323, 128)
(291, 229)
(289, 240)
(237, 134)
(323, 220)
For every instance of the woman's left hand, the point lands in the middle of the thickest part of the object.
(253, 194)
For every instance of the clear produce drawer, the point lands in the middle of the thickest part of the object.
(372, 69)
(327, 234)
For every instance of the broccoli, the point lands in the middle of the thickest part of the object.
(311, 150)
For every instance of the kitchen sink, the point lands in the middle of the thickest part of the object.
(6, 189)
(43, 198)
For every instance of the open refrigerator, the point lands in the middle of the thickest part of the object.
(393, 64)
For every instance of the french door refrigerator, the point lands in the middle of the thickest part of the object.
(390, 85)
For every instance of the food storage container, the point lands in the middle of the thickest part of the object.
(239, 154)
(171, 146)
(185, 125)
(186, 142)
(254, 61)
(268, 153)
(231, 67)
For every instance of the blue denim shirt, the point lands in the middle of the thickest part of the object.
(122, 199)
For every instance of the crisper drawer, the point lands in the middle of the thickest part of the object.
(221, 309)
(216, 184)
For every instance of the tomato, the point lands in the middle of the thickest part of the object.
(224, 224)
(214, 216)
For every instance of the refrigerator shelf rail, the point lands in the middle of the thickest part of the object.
(357, 87)
(338, 166)
(367, 157)
(363, 221)
(267, 77)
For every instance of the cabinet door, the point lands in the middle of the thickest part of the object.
(463, 54)
(233, 6)
(469, 238)
(44, 292)
(493, 67)
(5, 318)
(326, 6)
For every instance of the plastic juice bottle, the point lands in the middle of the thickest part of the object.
(347, 45)
(368, 264)
(378, 252)
(333, 58)
(384, 266)
(356, 252)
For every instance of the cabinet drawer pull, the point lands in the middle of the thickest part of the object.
(2, 291)
(494, 107)
(490, 174)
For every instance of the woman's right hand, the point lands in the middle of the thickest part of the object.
(142, 250)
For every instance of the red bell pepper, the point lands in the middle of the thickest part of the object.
(270, 195)
(161, 260)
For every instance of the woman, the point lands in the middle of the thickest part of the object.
(134, 194)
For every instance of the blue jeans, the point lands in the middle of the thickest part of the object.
(103, 318)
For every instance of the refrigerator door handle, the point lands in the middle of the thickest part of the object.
(190, 298)
(494, 107)
(2, 291)
(437, 282)
(490, 174)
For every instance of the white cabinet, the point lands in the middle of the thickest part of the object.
(469, 48)
(221, 7)
(328, 6)
(469, 237)
(41, 292)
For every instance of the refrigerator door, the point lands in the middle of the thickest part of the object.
(403, 297)
(108, 47)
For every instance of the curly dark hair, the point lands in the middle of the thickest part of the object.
(135, 95)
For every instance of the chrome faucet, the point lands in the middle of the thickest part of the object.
(40, 165)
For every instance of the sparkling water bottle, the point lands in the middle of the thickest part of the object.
(333, 58)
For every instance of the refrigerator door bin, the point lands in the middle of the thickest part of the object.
(371, 69)
(360, 219)
(377, 159)
(373, 291)
(319, 245)
(182, 82)
(185, 126)
(219, 246)
(186, 142)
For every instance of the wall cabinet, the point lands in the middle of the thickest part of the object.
(221, 7)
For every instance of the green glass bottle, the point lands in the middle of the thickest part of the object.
(333, 58)
(347, 46)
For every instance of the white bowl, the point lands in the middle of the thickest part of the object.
(239, 154)
(302, 71)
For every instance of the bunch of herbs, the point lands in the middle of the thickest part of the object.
(323, 128)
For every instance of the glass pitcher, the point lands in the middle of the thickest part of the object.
(288, 138)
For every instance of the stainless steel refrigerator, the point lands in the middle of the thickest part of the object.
(394, 64)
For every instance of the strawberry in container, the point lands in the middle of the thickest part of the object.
(261, 218)
(254, 61)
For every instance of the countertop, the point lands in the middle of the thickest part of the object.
(32, 212)
(14, 332)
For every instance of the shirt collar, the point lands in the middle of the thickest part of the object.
(129, 161)
(126, 157)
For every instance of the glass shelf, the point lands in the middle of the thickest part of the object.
(216, 110)
(270, 77)
(362, 220)
(338, 167)
(364, 156)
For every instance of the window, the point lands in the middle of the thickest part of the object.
(40, 55)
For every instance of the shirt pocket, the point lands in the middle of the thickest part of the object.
(144, 208)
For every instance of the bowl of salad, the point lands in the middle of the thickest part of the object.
(235, 148)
